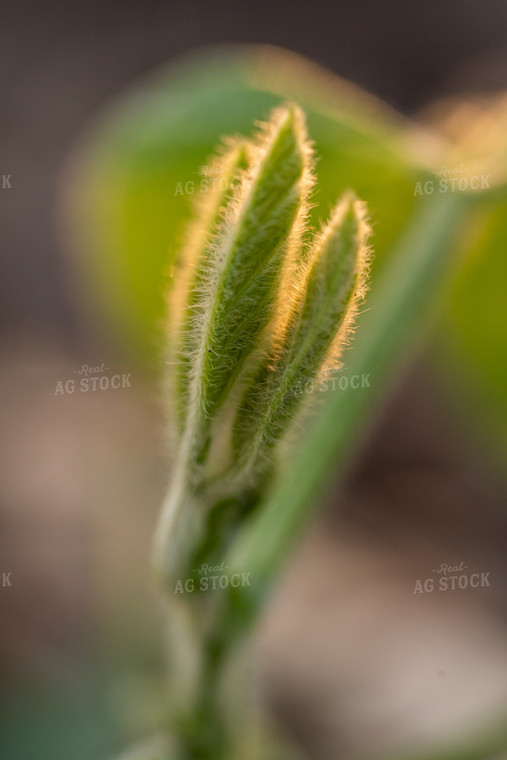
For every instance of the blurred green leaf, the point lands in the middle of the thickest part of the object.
(473, 342)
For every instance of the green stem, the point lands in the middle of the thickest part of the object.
(397, 310)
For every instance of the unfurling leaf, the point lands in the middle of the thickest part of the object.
(258, 312)
(316, 334)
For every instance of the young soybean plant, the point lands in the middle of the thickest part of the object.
(259, 309)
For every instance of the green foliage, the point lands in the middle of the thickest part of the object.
(261, 311)
(246, 261)
(136, 180)
(136, 177)
(473, 348)
(317, 328)
(193, 272)
(401, 301)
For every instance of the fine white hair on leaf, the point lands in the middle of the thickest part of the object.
(261, 309)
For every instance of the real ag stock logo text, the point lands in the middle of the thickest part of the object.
(452, 180)
(92, 379)
(452, 578)
(211, 578)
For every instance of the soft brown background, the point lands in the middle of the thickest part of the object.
(352, 661)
